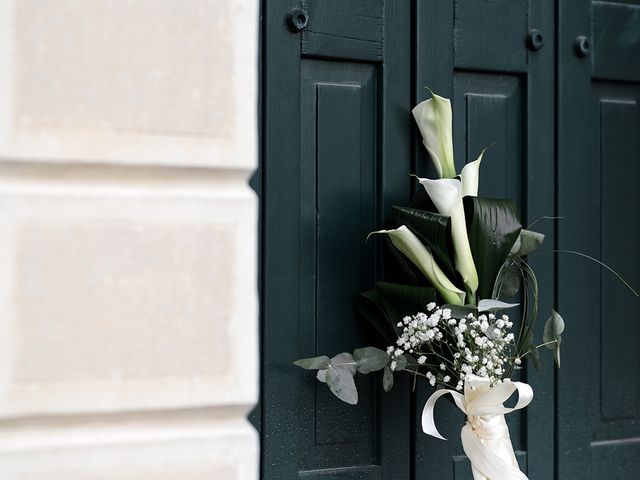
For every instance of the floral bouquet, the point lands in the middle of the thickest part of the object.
(463, 259)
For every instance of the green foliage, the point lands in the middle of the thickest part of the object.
(340, 382)
(509, 280)
(314, 363)
(387, 379)
(552, 335)
(528, 242)
(434, 231)
(370, 359)
(493, 228)
(388, 303)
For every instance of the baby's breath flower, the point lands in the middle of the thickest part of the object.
(459, 347)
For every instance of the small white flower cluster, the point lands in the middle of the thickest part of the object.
(452, 348)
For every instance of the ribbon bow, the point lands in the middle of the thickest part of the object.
(485, 437)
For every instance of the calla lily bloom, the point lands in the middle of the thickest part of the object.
(421, 257)
(446, 194)
(469, 177)
(434, 120)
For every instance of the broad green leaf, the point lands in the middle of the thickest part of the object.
(344, 360)
(528, 242)
(509, 280)
(402, 300)
(493, 228)
(387, 379)
(414, 250)
(434, 119)
(433, 230)
(315, 363)
(371, 307)
(370, 359)
(422, 201)
(340, 382)
(409, 273)
(487, 305)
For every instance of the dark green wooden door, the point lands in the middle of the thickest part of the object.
(599, 166)
(336, 158)
(338, 143)
(483, 55)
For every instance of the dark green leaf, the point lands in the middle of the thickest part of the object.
(387, 379)
(344, 360)
(493, 227)
(370, 306)
(315, 363)
(407, 271)
(341, 384)
(528, 242)
(422, 201)
(434, 231)
(402, 300)
(509, 280)
(370, 359)
(535, 358)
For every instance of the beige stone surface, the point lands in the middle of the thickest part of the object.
(140, 298)
(193, 448)
(136, 82)
(128, 239)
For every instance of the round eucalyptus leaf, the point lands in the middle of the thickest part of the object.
(314, 363)
(387, 379)
(553, 329)
(341, 384)
(346, 361)
(322, 375)
(370, 359)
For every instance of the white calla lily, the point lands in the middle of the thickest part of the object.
(446, 194)
(469, 177)
(434, 120)
(421, 257)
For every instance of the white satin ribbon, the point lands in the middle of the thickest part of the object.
(485, 437)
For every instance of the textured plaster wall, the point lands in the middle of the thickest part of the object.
(128, 304)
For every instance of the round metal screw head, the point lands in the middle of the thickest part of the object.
(297, 19)
(535, 40)
(582, 46)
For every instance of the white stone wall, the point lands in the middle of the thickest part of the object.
(128, 299)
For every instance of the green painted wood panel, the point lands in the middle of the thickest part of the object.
(339, 28)
(598, 160)
(491, 35)
(616, 54)
(335, 133)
